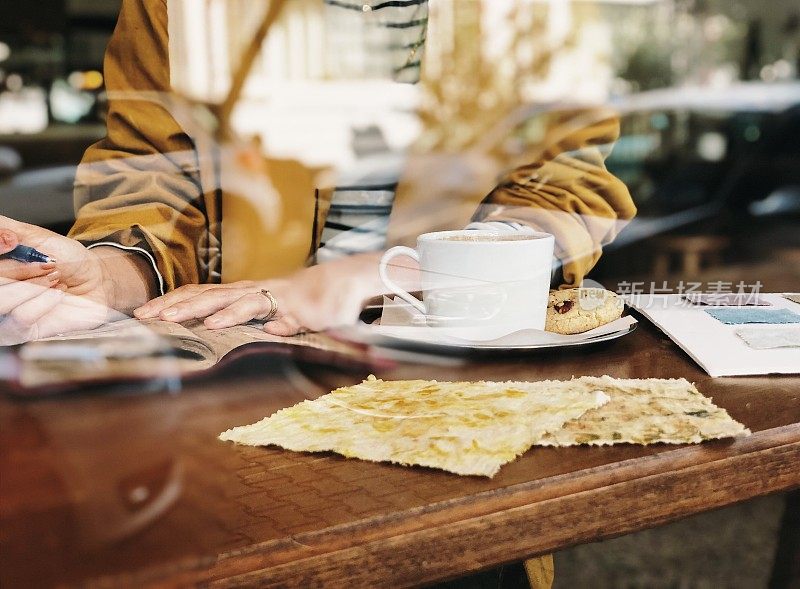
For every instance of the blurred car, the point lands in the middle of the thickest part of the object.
(692, 154)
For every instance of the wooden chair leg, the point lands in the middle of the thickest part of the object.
(691, 264)
(540, 571)
(786, 568)
(661, 265)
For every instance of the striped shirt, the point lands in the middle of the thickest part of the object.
(391, 39)
(390, 45)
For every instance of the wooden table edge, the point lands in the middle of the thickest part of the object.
(433, 542)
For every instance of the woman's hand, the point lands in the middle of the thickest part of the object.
(315, 298)
(77, 292)
(8, 241)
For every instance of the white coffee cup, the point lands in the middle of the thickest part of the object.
(472, 277)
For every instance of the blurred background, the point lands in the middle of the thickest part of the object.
(709, 96)
(708, 91)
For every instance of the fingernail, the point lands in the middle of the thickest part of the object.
(46, 266)
(53, 276)
(169, 313)
(213, 321)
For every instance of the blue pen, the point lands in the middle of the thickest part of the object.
(23, 253)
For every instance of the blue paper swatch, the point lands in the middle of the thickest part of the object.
(750, 315)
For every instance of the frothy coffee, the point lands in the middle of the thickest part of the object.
(490, 238)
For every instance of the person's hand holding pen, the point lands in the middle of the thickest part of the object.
(77, 291)
(26, 289)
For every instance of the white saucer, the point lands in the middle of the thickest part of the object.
(460, 340)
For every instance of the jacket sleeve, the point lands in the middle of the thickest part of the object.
(567, 191)
(139, 187)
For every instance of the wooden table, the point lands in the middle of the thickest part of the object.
(135, 488)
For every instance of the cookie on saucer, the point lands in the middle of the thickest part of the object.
(576, 310)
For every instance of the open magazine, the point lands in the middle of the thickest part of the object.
(136, 350)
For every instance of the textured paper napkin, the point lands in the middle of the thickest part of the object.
(737, 316)
(462, 427)
(768, 338)
(645, 411)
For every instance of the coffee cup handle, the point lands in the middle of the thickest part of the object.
(391, 253)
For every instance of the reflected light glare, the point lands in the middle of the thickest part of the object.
(659, 121)
(782, 69)
(92, 80)
(75, 80)
(712, 146)
(715, 26)
(768, 73)
(752, 133)
(5, 51)
(14, 82)
(68, 104)
(23, 111)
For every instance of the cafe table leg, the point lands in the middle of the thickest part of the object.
(540, 571)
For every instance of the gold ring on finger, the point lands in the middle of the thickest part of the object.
(273, 305)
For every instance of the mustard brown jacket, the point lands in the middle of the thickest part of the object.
(153, 182)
